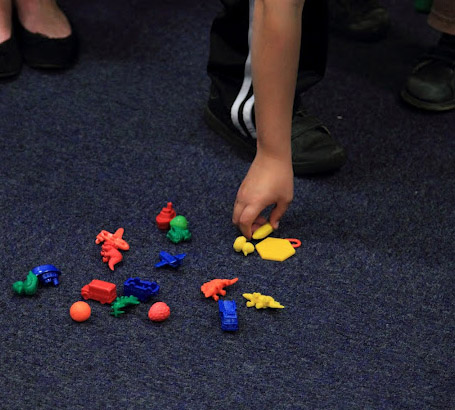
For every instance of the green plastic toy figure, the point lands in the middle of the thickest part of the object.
(121, 302)
(179, 230)
(28, 287)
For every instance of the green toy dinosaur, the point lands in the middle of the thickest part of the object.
(27, 287)
(121, 302)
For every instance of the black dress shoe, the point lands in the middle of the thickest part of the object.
(10, 58)
(40, 51)
(431, 85)
(364, 20)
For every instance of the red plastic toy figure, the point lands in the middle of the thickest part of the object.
(109, 249)
(165, 216)
(80, 311)
(159, 312)
(216, 286)
(103, 292)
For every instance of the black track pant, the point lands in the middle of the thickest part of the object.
(229, 65)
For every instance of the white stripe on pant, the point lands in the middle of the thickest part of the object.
(247, 112)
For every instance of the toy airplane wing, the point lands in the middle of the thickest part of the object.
(177, 260)
(160, 264)
(168, 259)
(180, 256)
(165, 259)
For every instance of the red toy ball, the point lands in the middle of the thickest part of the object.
(80, 311)
(159, 311)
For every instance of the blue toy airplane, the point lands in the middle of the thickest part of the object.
(168, 259)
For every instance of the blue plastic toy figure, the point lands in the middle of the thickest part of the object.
(142, 289)
(228, 315)
(47, 274)
(170, 260)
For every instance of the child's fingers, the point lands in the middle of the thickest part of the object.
(277, 212)
(238, 209)
(248, 216)
(240, 219)
(260, 220)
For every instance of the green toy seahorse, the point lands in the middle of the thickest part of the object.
(121, 302)
(27, 287)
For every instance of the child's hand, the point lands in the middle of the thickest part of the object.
(269, 181)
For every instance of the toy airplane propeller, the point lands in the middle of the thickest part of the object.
(171, 260)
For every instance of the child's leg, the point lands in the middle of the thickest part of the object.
(230, 110)
(5, 20)
(44, 17)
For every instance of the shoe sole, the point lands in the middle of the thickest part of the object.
(49, 66)
(9, 74)
(423, 105)
(337, 160)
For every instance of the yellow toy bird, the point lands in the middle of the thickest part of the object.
(261, 301)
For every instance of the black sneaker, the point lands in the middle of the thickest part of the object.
(364, 20)
(314, 150)
(431, 85)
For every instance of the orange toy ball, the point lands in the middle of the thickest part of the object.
(159, 311)
(80, 311)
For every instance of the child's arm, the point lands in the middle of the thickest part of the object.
(274, 62)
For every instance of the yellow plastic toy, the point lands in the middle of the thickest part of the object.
(241, 245)
(238, 243)
(248, 248)
(263, 231)
(261, 301)
(275, 249)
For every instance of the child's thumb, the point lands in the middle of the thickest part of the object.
(276, 214)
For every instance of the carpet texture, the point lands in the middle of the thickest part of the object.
(369, 318)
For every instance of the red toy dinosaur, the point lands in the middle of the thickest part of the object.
(109, 249)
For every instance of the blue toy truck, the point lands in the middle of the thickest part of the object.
(142, 289)
(228, 315)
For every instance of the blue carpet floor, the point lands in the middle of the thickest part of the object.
(370, 296)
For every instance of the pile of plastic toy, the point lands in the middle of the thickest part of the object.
(137, 290)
